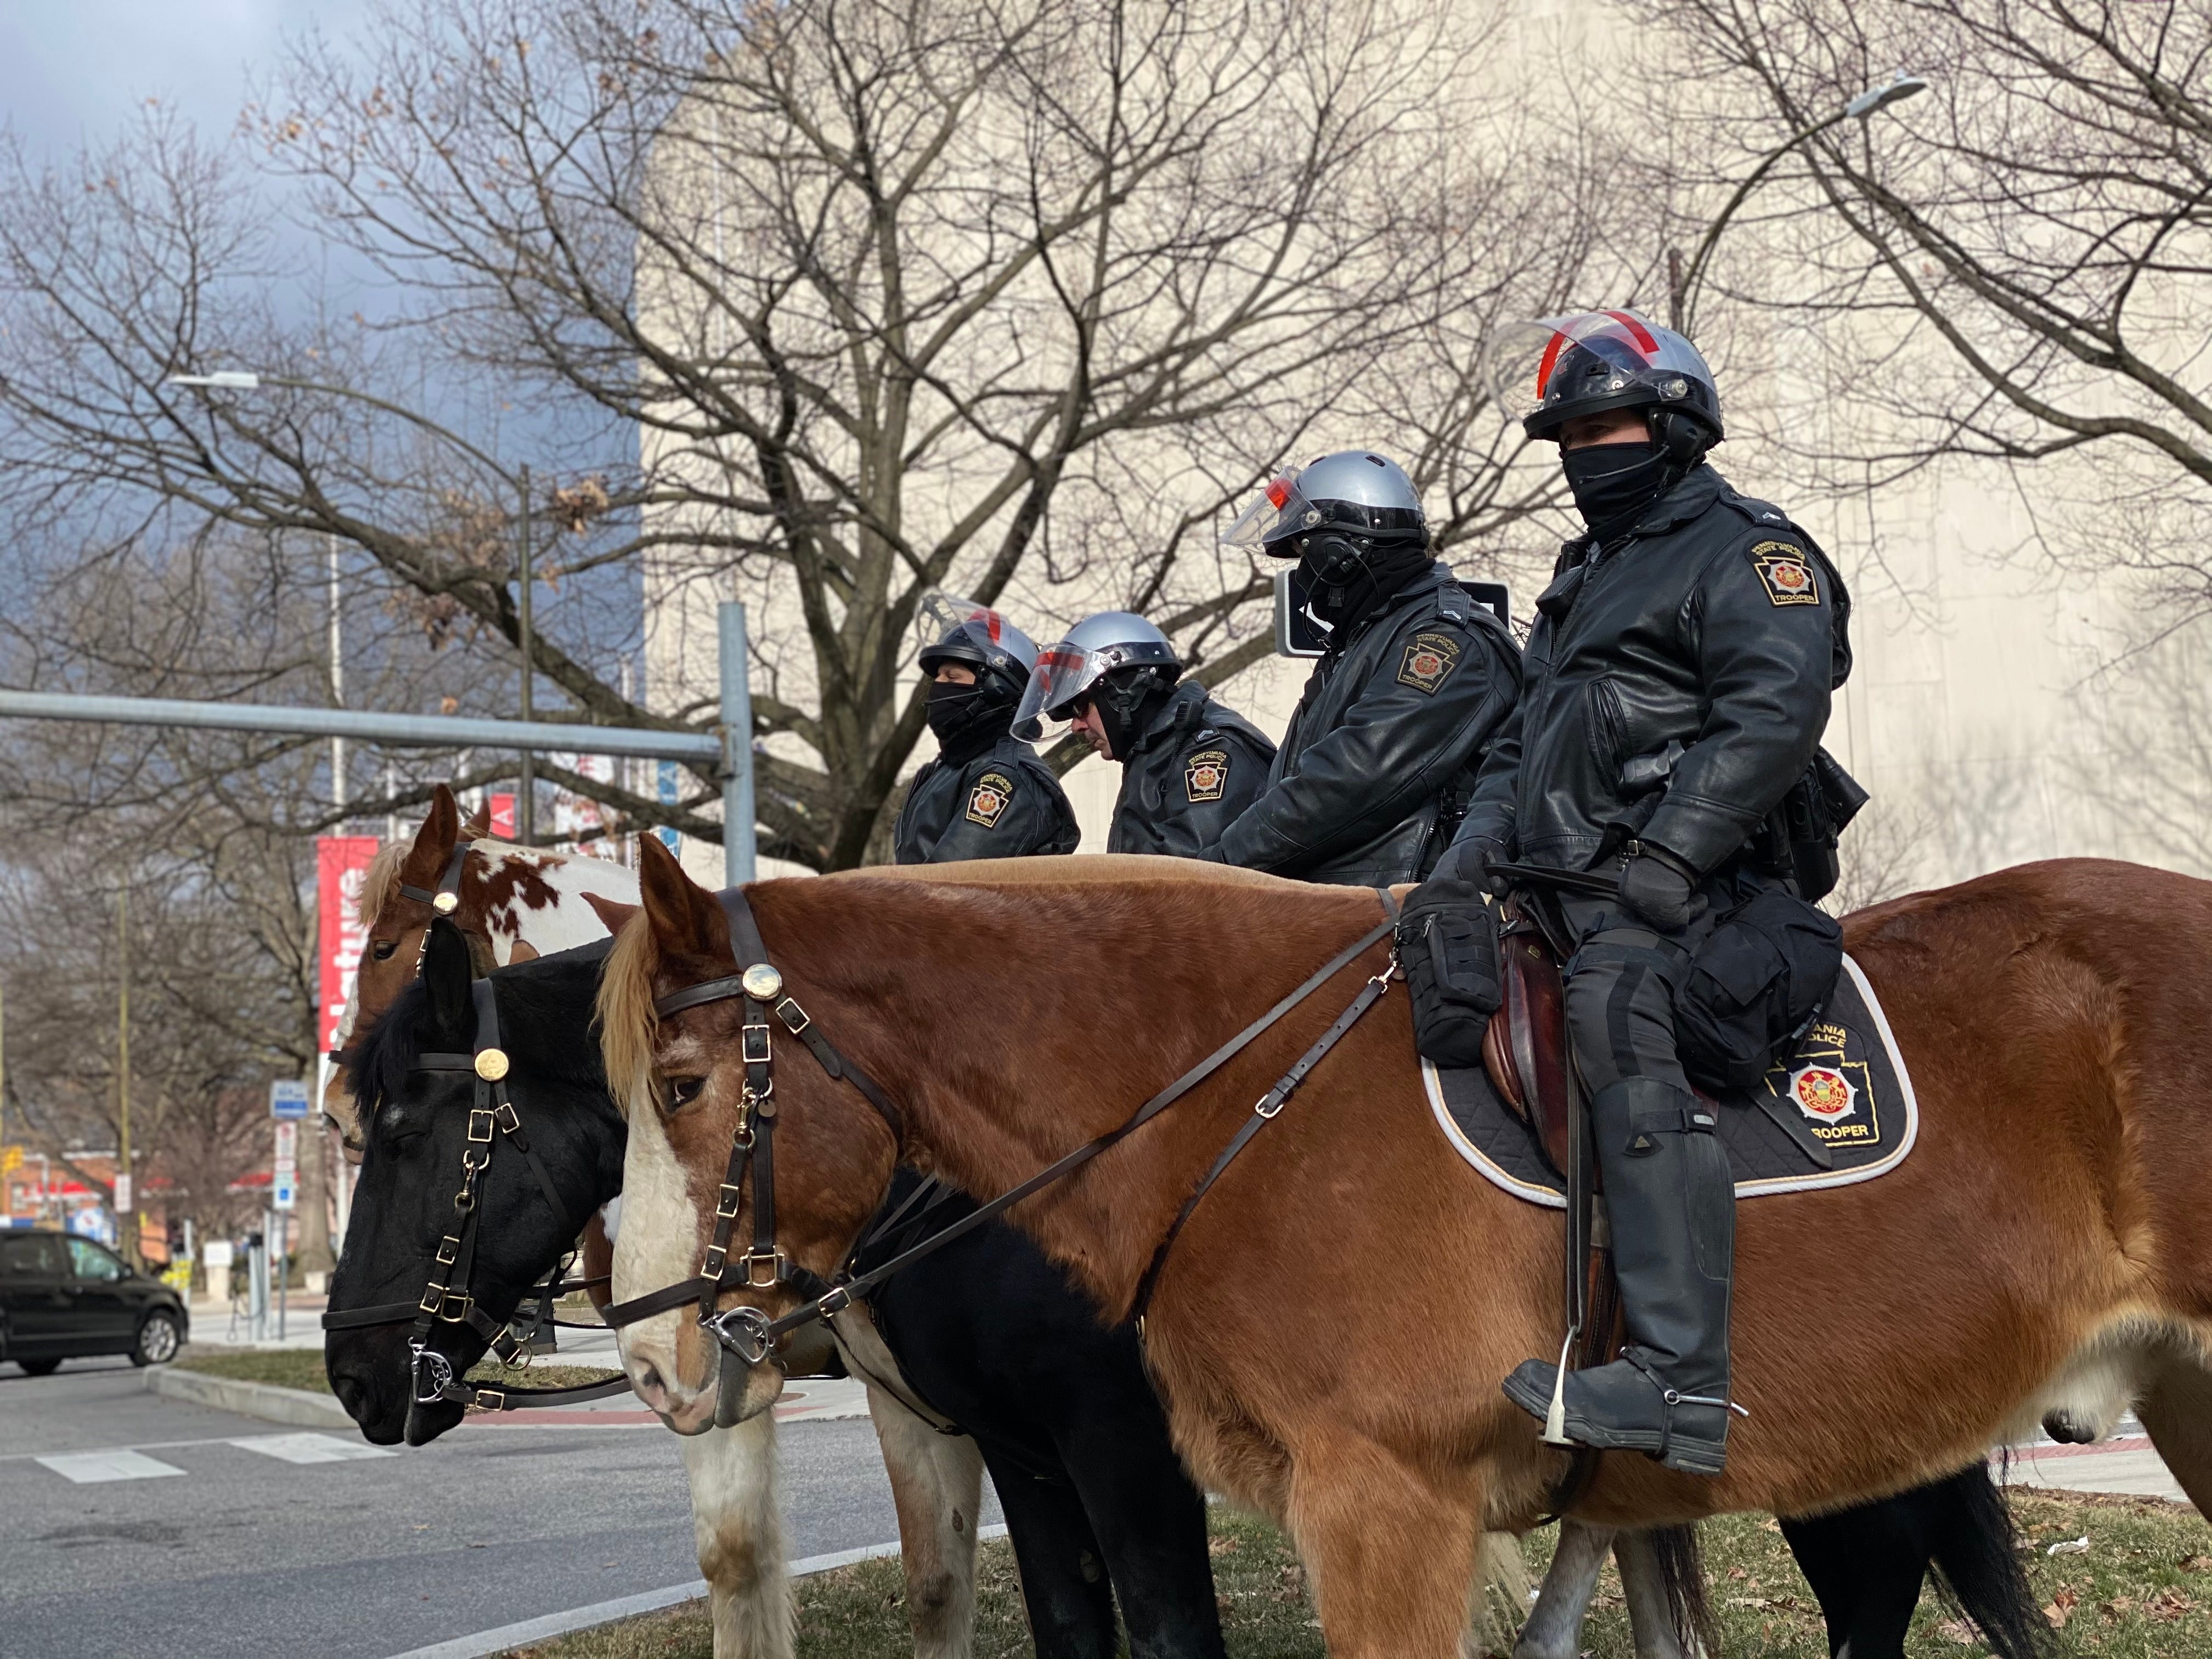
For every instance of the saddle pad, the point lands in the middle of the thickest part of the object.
(1846, 1083)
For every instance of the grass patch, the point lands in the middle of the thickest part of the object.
(2143, 1589)
(302, 1368)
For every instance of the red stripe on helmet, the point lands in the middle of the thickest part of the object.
(1636, 331)
(1551, 362)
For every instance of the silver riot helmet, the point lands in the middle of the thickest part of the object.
(949, 629)
(1547, 373)
(1354, 495)
(1116, 658)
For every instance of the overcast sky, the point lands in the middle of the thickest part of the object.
(72, 71)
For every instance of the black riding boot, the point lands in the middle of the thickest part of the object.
(1671, 1202)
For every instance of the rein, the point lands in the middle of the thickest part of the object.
(752, 1335)
(491, 1116)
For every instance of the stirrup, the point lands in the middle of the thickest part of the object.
(1555, 1416)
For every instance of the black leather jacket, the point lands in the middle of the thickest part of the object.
(1677, 685)
(1004, 804)
(1385, 742)
(1196, 765)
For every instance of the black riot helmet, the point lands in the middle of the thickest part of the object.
(1558, 370)
(968, 719)
(954, 629)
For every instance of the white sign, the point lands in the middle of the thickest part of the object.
(288, 1098)
(123, 1194)
(284, 1184)
(215, 1256)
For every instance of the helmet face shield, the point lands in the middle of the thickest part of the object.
(1278, 511)
(1094, 648)
(949, 629)
(1547, 373)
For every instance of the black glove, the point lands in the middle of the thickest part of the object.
(1469, 858)
(1658, 887)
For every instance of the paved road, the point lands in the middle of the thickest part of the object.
(161, 1527)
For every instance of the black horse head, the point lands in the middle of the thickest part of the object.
(415, 1126)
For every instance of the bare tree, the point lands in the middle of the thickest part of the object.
(2042, 221)
(822, 305)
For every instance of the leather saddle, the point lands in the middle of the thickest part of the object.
(1525, 1049)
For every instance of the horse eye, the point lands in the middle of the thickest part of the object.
(382, 949)
(683, 1091)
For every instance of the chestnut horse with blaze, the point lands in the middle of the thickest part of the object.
(1330, 1331)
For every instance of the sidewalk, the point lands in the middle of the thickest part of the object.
(2125, 1464)
(213, 1326)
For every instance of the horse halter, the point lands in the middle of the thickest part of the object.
(748, 1333)
(444, 899)
(446, 1298)
(764, 1266)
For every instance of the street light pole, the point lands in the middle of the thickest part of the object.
(1683, 285)
(126, 1198)
(525, 803)
(337, 681)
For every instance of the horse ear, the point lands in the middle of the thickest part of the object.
(685, 919)
(478, 827)
(613, 914)
(446, 976)
(434, 841)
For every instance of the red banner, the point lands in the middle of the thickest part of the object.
(502, 817)
(341, 863)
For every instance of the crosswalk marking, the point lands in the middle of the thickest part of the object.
(89, 1468)
(313, 1448)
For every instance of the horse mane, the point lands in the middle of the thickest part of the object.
(380, 881)
(629, 1029)
(623, 1014)
(538, 1026)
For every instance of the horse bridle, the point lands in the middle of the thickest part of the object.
(446, 1298)
(749, 1334)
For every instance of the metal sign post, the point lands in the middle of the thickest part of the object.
(283, 1196)
(737, 749)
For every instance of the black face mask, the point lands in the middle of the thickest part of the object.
(1342, 591)
(967, 720)
(1612, 481)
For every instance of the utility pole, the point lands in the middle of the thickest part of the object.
(337, 684)
(525, 797)
(126, 1200)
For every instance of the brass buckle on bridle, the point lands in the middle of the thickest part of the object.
(774, 1259)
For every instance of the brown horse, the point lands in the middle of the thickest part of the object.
(1330, 1332)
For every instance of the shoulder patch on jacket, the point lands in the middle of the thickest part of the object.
(1787, 573)
(987, 801)
(1429, 659)
(1205, 775)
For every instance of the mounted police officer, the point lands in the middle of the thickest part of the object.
(1189, 764)
(1380, 754)
(1678, 678)
(986, 795)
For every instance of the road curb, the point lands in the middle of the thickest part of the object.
(485, 1644)
(265, 1401)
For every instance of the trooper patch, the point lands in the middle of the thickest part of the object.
(1787, 573)
(986, 801)
(1205, 775)
(1429, 658)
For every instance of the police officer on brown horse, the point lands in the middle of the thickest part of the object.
(1380, 757)
(986, 795)
(1678, 683)
(1189, 762)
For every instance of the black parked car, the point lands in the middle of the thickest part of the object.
(63, 1297)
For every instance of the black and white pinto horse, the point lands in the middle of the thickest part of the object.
(989, 1335)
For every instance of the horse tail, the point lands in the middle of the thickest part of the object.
(1682, 1575)
(1974, 1548)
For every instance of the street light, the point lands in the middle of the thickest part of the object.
(1895, 90)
